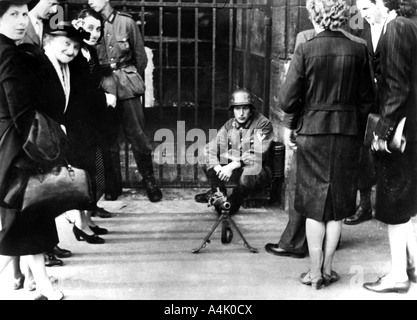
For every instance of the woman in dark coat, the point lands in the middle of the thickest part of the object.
(396, 191)
(33, 233)
(329, 86)
(86, 116)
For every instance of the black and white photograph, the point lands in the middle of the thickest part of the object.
(203, 156)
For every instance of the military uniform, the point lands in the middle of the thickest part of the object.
(231, 143)
(123, 59)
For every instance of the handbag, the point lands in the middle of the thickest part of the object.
(398, 141)
(59, 189)
(46, 140)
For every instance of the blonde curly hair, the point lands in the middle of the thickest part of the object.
(328, 14)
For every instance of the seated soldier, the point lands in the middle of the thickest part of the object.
(239, 152)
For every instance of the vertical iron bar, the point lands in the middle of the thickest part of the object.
(142, 19)
(161, 62)
(161, 66)
(268, 49)
(246, 48)
(179, 31)
(231, 46)
(213, 77)
(196, 77)
(196, 63)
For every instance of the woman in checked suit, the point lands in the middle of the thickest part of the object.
(329, 87)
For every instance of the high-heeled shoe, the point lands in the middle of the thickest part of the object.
(99, 231)
(316, 282)
(412, 275)
(332, 278)
(80, 235)
(19, 283)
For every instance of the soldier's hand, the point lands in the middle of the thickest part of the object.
(248, 158)
(290, 138)
(225, 172)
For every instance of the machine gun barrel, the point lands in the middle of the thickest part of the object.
(219, 201)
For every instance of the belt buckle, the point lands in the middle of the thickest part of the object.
(113, 66)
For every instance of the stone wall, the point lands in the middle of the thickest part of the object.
(289, 17)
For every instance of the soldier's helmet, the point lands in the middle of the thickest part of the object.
(241, 97)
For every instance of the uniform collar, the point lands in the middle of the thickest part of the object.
(111, 17)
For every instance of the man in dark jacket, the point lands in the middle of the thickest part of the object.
(367, 177)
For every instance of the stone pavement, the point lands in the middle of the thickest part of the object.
(147, 256)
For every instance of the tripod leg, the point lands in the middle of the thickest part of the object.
(207, 238)
(231, 221)
(227, 233)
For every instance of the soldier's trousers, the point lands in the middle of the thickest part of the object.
(132, 120)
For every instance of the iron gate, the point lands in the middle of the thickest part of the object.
(202, 51)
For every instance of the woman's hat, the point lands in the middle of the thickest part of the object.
(65, 28)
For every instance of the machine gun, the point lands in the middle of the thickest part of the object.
(219, 201)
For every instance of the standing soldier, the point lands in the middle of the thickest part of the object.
(123, 58)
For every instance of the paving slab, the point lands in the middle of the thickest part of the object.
(148, 256)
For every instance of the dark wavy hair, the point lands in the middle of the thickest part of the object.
(405, 8)
(91, 13)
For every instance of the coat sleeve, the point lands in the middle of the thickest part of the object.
(15, 87)
(366, 91)
(397, 50)
(290, 120)
(291, 92)
(141, 59)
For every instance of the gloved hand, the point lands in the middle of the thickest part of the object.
(111, 100)
(379, 145)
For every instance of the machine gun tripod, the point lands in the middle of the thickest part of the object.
(219, 201)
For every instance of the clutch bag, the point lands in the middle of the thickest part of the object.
(398, 141)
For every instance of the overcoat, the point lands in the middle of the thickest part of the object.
(26, 85)
(396, 199)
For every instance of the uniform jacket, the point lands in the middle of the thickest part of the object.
(398, 88)
(122, 49)
(321, 86)
(233, 140)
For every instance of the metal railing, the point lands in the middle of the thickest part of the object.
(206, 60)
